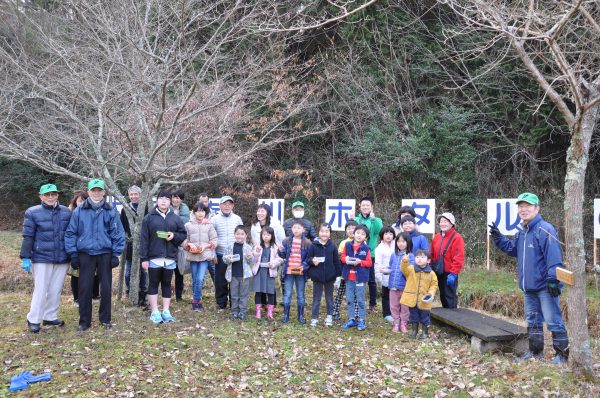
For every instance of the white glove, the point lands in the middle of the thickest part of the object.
(337, 282)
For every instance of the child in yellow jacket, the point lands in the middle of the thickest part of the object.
(421, 285)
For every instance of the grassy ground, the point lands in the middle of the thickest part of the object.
(208, 355)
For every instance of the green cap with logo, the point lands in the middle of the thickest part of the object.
(297, 203)
(528, 197)
(48, 188)
(96, 183)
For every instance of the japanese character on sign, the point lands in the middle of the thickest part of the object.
(504, 212)
(277, 208)
(425, 213)
(338, 212)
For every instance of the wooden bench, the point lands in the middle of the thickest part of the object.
(487, 333)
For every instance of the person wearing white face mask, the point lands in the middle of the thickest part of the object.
(298, 214)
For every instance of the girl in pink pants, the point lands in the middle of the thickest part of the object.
(397, 281)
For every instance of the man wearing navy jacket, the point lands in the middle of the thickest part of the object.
(43, 253)
(538, 253)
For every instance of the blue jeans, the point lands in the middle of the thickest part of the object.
(198, 269)
(419, 316)
(143, 277)
(289, 282)
(355, 292)
(540, 306)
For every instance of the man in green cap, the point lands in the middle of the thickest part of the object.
(43, 253)
(298, 214)
(538, 253)
(95, 239)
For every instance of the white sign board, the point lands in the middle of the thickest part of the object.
(425, 210)
(504, 212)
(213, 205)
(596, 218)
(277, 208)
(338, 212)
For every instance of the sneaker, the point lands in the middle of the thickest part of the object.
(372, 308)
(361, 325)
(166, 316)
(196, 307)
(314, 322)
(329, 321)
(233, 316)
(350, 324)
(76, 304)
(560, 359)
(389, 318)
(530, 355)
(156, 318)
(241, 316)
(200, 307)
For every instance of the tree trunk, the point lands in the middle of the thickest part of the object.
(577, 161)
(136, 229)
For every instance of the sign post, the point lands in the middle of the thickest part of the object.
(277, 208)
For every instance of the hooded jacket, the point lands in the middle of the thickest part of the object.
(95, 231)
(151, 246)
(383, 252)
(44, 234)
(201, 232)
(397, 279)
(328, 270)
(538, 253)
(419, 282)
(274, 259)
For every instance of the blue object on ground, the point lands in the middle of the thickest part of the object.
(34, 379)
(18, 382)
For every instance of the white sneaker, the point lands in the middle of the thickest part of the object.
(389, 318)
(329, 320)
(314, 322)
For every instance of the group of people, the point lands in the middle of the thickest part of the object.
(92, 235)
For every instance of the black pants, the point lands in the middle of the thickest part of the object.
(90, 265)
(264, 298)
(372, 286)
(160, 276)
(385, 301)
(75, 287)
(448, 294)
(178, 284)
(221, 285)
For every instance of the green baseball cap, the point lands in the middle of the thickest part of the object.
(297, 203)
(96, 183)
(48, 188)
(528, 197)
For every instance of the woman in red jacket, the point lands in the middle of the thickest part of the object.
(450, 245)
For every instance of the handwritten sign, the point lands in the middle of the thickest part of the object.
(504, 212)
(213, 205)
(425, 211)
(338, 212)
